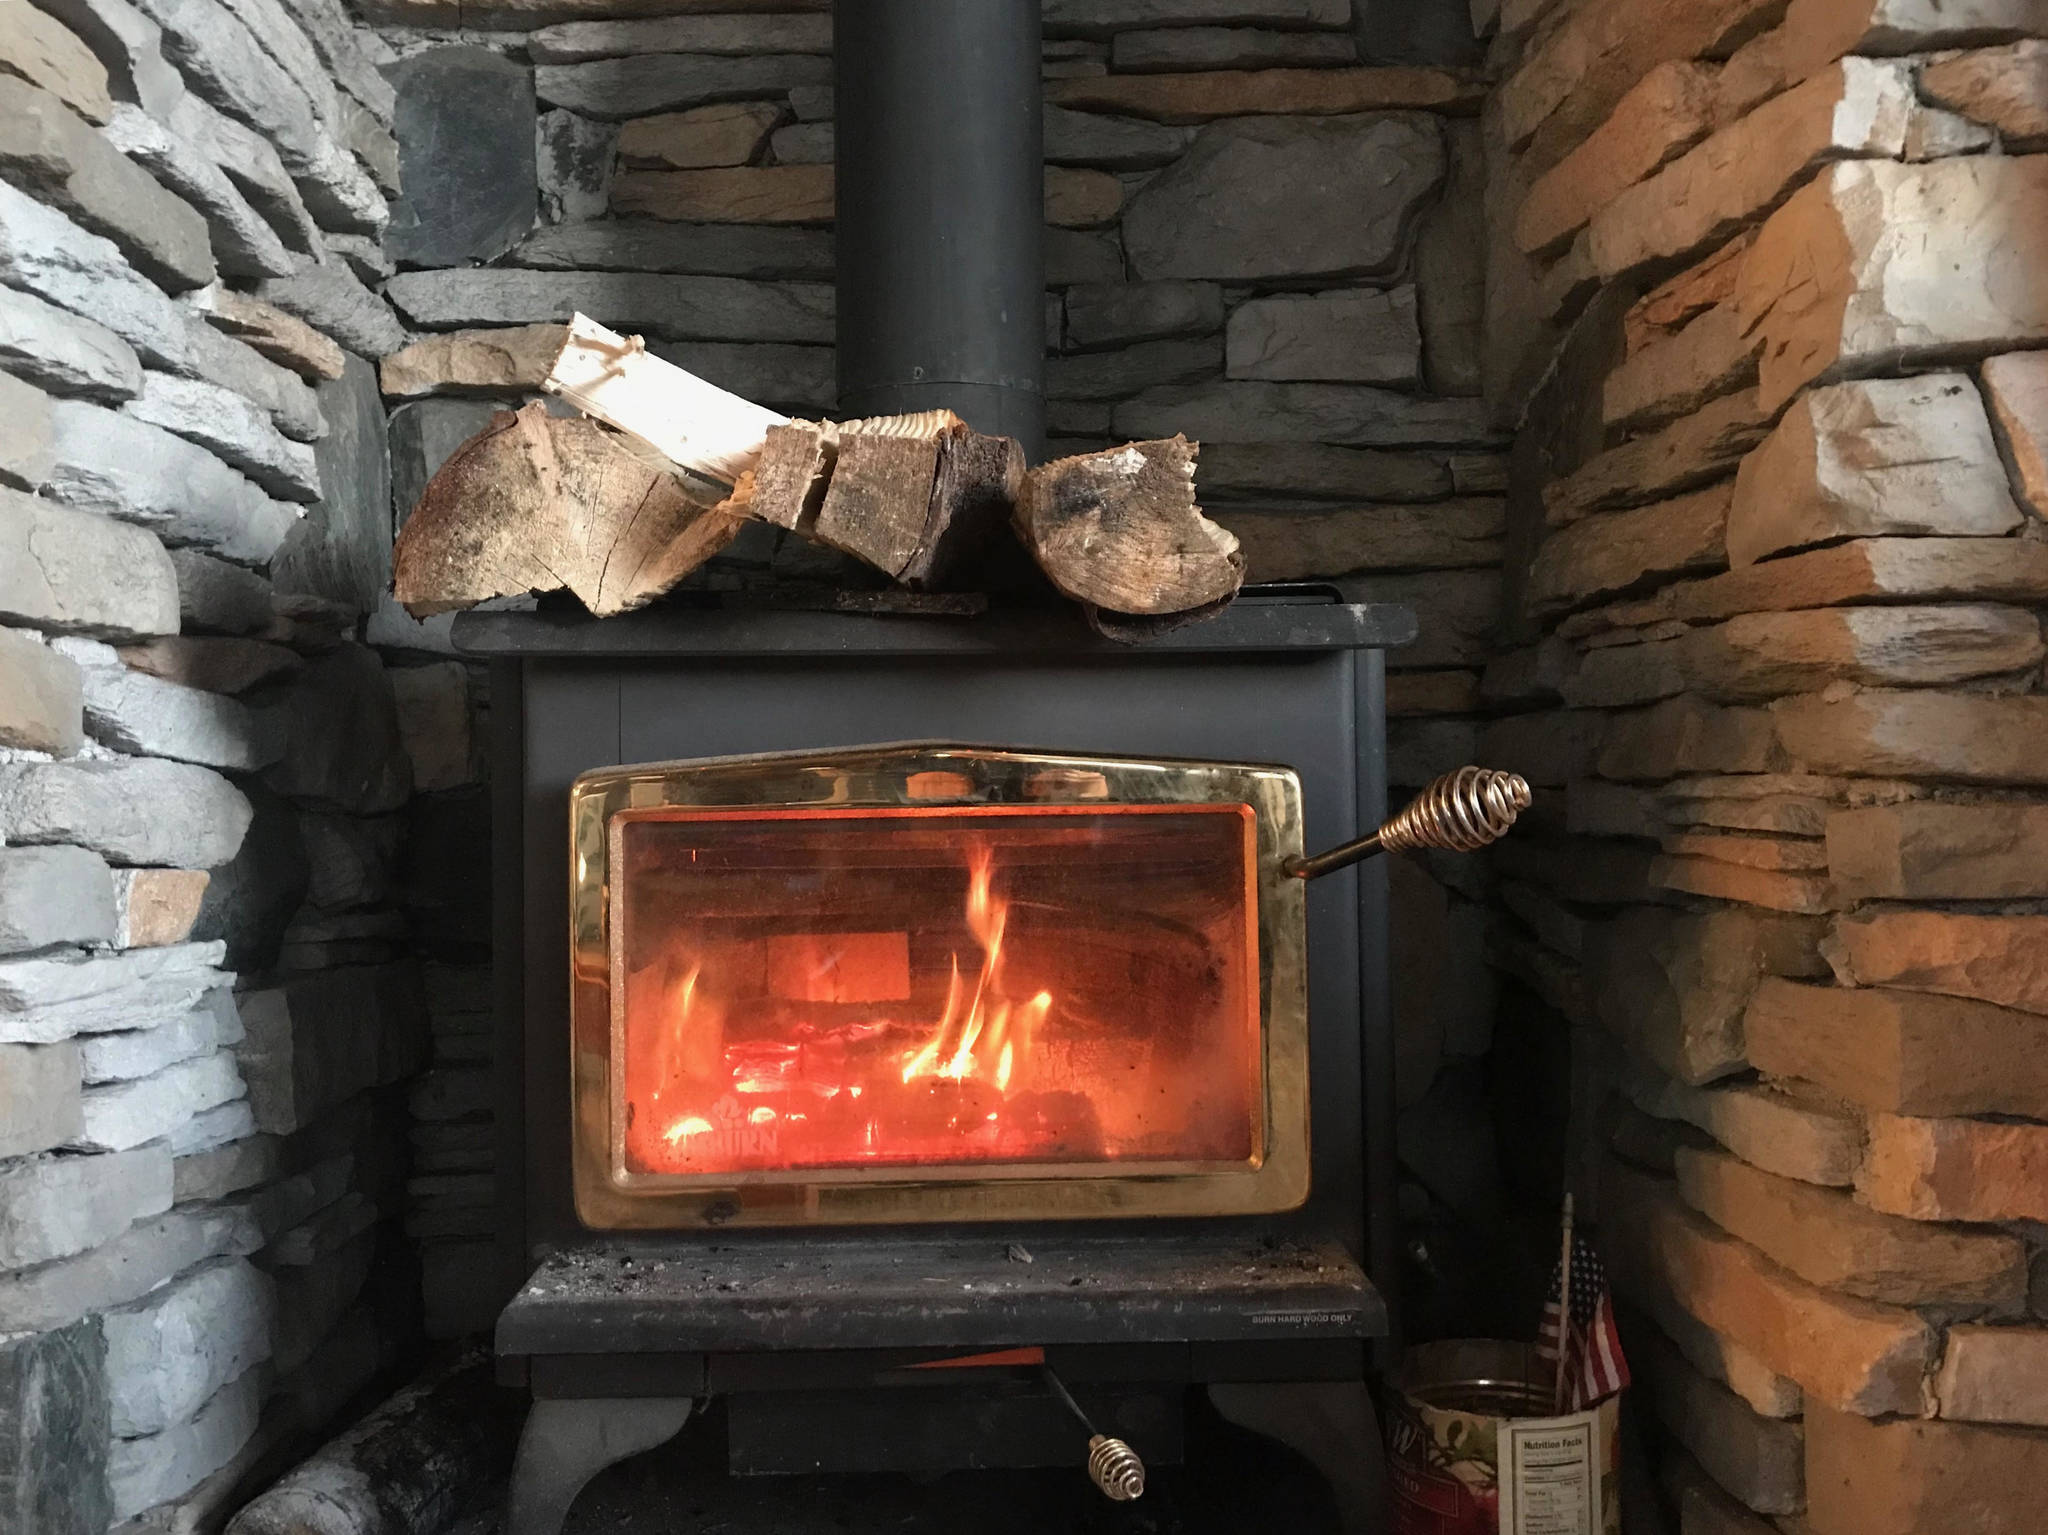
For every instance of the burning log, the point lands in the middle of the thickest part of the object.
(1119, 530)
(536, 503)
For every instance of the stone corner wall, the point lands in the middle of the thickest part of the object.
(1766, 298)
(208, 1012)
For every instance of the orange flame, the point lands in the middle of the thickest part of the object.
(982, 1038)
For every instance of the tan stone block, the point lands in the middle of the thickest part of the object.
(1688, 735)
(214, 663)
(1994, 1375)
(1913, 1476)
(510, 360)
(1972, 737)
(42, 700)
(1728, 1363)
(1955, 1169)
(1828, 1239)
(1677, 301)
(37, 48)
(1854, 107)
(1794, 1136)
(1939, 852)
(1692, 451)
(1196, 98)
(1665, 113)
(1986, 569)
(1682, 372)
(726, 133)
(157, 907)
(2004, 88)
(1782, 855)
(1549, 749)
(1843, 1352)
(1673, 985)
(1871, 457)
(1754, 887)
(2017, 384)
(1615, 550)
(1578, 70)
(1876, 265)
(1758, 656)
(1080, 199)
(1761, 1461)
(1820, 30)
(2002, 959)
(1902, 1052)
(749, 194)
(283, 338)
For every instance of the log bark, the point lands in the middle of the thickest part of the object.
(431, 1453)
(1119, 530)
(537, 503)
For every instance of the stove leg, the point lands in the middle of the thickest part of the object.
(568, 1440)
(1332, 1425)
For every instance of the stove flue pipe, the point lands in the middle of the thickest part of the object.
(940, 211)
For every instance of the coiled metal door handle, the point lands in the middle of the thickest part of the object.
(1461, 812)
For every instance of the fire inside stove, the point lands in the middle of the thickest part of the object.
(945, 988)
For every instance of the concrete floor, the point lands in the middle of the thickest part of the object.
(1233, 1482)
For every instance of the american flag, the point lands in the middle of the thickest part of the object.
(1591, 1344)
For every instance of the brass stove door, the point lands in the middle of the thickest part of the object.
(933, 983)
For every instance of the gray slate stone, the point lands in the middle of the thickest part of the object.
(574, 42)
(253, 165)
(64, 353)
(678, 308)
(1101, 18)
(363, 255)
(214, 357)
(130, 45)
(135, 712)
(668, 82)
(136, 1053)
(1120, 374)
(244, 244)
(804, 144)
(223, 61)
(1450, 270)
(251, 899)
(465, 127)
(331, 298)
(130, 810)
(341, 549)
(1114, 143)
(111, 462)
(27, 434)
(215, 1127)
(53, 895)
(811, 103)
(573, 156)
(1112, 314)
(155, 1468)
(1288, 197)
(53, 1432)
(39, 1098)
(1350, 415)
(341, 46)
(795, 378)
(423, 435)
(133, 1264)
(218, 598)
(1243, 470)
(655, 245)
(1081, 256)
(170, 1352)
(1173, 49)
(47, 998)
(372, 143)
(324, 1038)
(343, 750)
(285, 41)
(232, 428)
(1356, 335)
(40, 702)
(50, 151)
(52, 1207)
(119, 1115)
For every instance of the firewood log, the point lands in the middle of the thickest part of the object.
(536, 503)
(1119, 530)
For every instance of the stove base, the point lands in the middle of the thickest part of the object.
(567, 1442)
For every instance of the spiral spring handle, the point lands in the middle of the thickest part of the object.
(1460, 812)
(1115, 1468)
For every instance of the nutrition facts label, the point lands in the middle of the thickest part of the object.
(1550, 1476)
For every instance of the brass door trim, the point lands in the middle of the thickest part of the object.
(932, 775)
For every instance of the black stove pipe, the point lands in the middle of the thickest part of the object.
(941, 280)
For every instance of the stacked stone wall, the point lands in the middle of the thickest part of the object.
(1767, 295)
(207, 1009)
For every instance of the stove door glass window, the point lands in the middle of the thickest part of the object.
(1046, 989)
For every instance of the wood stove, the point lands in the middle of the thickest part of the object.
(859, 1082)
